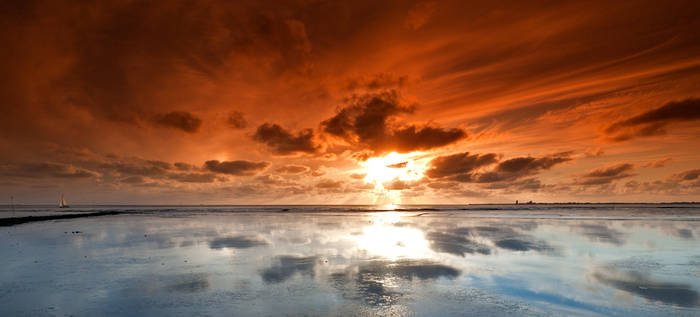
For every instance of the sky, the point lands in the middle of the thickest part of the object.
(349, 102)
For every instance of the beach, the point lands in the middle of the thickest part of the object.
(356, 260)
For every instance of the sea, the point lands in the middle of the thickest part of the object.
(352, 260)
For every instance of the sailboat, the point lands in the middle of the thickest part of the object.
(62, 203)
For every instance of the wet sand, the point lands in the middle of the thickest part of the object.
(421, 263)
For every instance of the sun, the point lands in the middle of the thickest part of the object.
(394, 166)
(391, 168)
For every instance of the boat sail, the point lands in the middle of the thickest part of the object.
(62, 203)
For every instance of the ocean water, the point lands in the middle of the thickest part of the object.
(492, 260)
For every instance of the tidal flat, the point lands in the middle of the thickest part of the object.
(542, 260)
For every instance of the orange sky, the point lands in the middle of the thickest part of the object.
(349, 102)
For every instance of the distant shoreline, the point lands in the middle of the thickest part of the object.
(280, 205)
(7, 222)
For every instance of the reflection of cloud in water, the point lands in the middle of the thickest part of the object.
(287, 267)
(524, 245)
(635, 283)
(461, 241)
(454, 244)
(178, 283)
(377, 282)
(237, 242)
(602, 233)
(192, 286)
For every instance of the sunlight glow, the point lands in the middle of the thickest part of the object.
(384, 239)
(394, 166)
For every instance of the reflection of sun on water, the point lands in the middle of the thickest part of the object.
(384, 239)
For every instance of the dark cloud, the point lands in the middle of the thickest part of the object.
(287, 267)
(45, 170)
(183, 166)
(640, 285)
(181, 120)
(133, 180)
(136, 166)
(461, 163)
(655, 121)
(238, 168)
(292, 169)
(688, 175)
(368, 121)
(461, 167)
(194, 177)
(606, 175)
(658, 163)
(236, 120)
(283, 142)
(528, 165)
(378, 82)
(237, 242)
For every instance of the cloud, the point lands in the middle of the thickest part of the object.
(461, 163)
(236, 242)
(135, 166)
(181, 120)
(605, 175)
(378, 82)
(194, 177)
(236, 120)
(658, 163)
(368, 122)
(593, 152)
(461, 167)
(655, 121)
(329, 184)
(45, 170)
(397, 184)
(292, 169)
(133, 180)
(183, 166)
(420, 14)
(283, 142)
(238, 168)
(357, 176)
(688, 175)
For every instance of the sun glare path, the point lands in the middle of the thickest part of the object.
(384, 239)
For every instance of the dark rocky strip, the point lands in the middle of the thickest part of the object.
(6, 222)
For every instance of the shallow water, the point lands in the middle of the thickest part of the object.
(428, 260)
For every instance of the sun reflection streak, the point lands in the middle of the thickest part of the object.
(385, 239)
